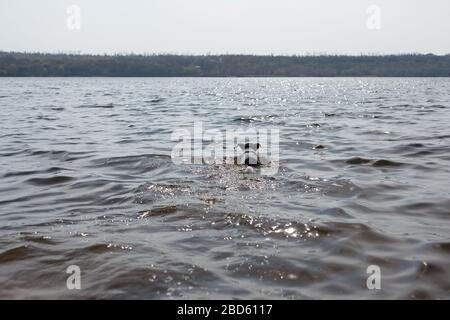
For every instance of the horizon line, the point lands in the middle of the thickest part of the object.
(307, 54)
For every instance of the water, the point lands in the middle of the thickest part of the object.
(87, 180)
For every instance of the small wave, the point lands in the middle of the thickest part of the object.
(276, 270)
(358, 232)
(386, 163)
(12, 135)
(336, 212)
(410, 146)
(415, 149)
(17, 254)
(47, 118)
(51, 152)
(372, 162)
(149, 193)
(341, 188)
(97, 106)
(38, 239)
(155, 100)
(433, 208)
(421, 153)
(418, 294)
(32, 172)
(157, 212)
(377, 132)
(59, 154)
(250, 119)
(270, 227)
(443, 247)
(50, 181)
(437, 106)
(138, 164)
(127, 160)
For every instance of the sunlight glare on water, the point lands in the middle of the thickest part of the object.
(87, 179)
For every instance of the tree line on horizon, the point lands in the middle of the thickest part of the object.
(14, 64)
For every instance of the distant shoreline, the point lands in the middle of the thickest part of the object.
(15, 64)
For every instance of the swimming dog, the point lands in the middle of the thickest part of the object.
(250, 155)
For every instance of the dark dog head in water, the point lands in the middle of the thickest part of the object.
(250, 156)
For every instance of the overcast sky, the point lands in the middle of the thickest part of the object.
(226, 26)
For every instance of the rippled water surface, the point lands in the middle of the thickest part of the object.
(86, 179)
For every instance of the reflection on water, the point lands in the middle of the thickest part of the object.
(87, 180)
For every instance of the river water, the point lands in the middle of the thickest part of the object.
(87, 179)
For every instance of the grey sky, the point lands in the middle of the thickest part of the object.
(221, 26)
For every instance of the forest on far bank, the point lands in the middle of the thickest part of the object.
(14, 64)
